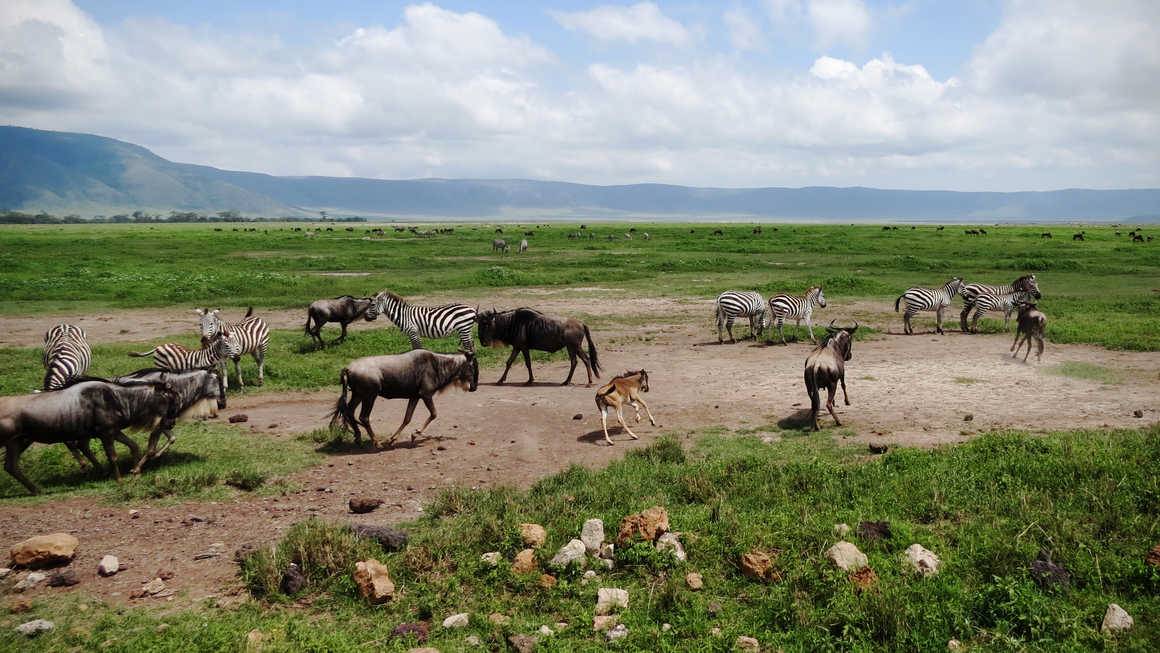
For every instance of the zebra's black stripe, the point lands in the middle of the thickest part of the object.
(740, 303)
(66, 355)
(425, 321)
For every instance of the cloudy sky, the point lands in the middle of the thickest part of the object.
(932, 94)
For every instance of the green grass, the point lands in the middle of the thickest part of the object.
(1091, 498)
(1087, 371)
(966, 380)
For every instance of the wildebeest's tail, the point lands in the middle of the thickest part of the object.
(592, 352)
(812, 389)
(249, 312)
(143, 354)
(898, 300)
(306, 330)
(340, 410)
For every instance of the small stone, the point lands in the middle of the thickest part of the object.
(715, 631)
(373, 580)
(35, 627)
(608, 564)
(847, 557)
(1116, 620)
(239, 418)
(592, 535)
(603, 622)
(547, 581)
(31, 580)
(361, 505)
(1047, 573)
(608, 551)
(921, 561)
(420, 629)
(533, 535)
(162, 627)
(609, 599)
(714, 608)
(578, 416)
(747, 643)
(694, 581)
(571, 552)
(63, 578)
(473, 640)
(4, 571)
(968, 417)
(492, 558)
(647, 525)
(841, 530)
(108, 566)
(874, 530)
(391, 539)
(423, 649)
(164, 574)
(457, 620)
(1152, 559)
(954, 645)
(525, 562)
(672, 542)
(134, 514)
(155, 586)
(666, 628)
(546, 632)
(561, 625)
(617, 633)
(878, 448)
(756, 565)
(499, 619)
(44, 551)
(523, 643)
(1137, 413)
(293, 580)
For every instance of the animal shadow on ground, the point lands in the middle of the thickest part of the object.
(344, 445)
(800, 419)
(524, 384)
(597, 437)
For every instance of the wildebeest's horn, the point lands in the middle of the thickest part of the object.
(855, 326)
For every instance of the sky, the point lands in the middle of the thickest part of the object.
(972, 95)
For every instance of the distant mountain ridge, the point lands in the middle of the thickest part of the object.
(86, 174)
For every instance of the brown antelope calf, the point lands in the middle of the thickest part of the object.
(1030, 324)
(614, 394)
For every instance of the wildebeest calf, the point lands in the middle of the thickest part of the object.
(1030, 324)
(826, 368)
(525, 329)
(614, 394)
(344, 310)
(414, 375)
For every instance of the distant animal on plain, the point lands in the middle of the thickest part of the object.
(826, 368)
(1046, 234)
(645, 235)
(625, 388)
(718, 232)
(1078, 236)
(501, 245)
(524, 246)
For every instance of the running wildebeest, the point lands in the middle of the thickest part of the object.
(200, 393)
(625, 388)
(1031, 323)
(414, 375)
(525, 329)
(88, 408)
(344, 310)
(826, 368)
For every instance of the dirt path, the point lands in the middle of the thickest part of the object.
(913, 390)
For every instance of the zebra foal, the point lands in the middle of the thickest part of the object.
(924, 299)
(66, 355)
(251, 335)
(994, 302)
(783, 307)
(740, 303)
(425, 321)
(971, 291)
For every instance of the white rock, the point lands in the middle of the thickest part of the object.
(108, 566)
(588, 575)
(616, 633)
(608, 564)
(561, 625)
(456, 620)
(954, 645)
(715, 631)
(570, 552)
(847, 557)
(748, 643)
(4, 571)
(841, 530)
(592, 535)
(608, 599)
(491, 558)
(473, 640)
(546, 632)
(30, 581)
(666, 628)
(1116, 619)
(35, 627)
(921, 561)
(672, 542)
(608, 550)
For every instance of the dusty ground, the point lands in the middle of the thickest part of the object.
(913, 390)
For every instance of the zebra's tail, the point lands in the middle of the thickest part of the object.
(249, 312)
(720, 315)
(340, 412)
(898, 300)
(592, 352)
(143, 354)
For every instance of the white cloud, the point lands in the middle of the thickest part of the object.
(640, 22)
(744, 32)
(839, 22)
(51, 53)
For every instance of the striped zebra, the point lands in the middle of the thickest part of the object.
(66, 355)
(173, 357)
(970, 291)
(994, 302)
(783, 307)
(734, 303)
(425, 321)
(925, 299)
(251, 334)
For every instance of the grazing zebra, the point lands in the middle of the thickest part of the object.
(971, 291)
(925, 299)
(172, 357)
(66, 355)
(251, 335)
(425, 321)
(783, 307)
(1006, 303)
(734, 303)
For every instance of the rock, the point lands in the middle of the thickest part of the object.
(715, 631)
(134, 514)
(499, 619)
(846, 556)
(878, 448)
(547, 581)
(571, 552)
(588, 575)
(608, 550)
(361, 505)
(969, 417)
(1048, 573)
(714, 608)
(523, 643)
(492, 558)
(293, 580)
(1137, 413)
(63, 578)
(373, 580)
(874, 530)
(609, 599)
(423, 649)
(239, 418)
(616, 633)
(592, 535)
(608, 564)
(864, 578)
(420, 629)
(1116, 620)
(31, 580)
(546, 632)
(578, 416)
(1152, 559)
(457, 620)
(4, 571)
(533, 535)
(561, 625)
(35, 627)
(391, 539)
(647, 525)
(921, 561)
(164, 574)
(666, 628)
(747, 643)
(525, 562)
(954, 645)
(841, 530)
(44, 551)
(473, 640)
(153, 587)
(108, 566)
(757, 565)
(18, 605)
(694, 581)
(672, 542)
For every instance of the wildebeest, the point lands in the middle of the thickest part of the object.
(1046, 234)
(1078, 236)
(344, 310)
(1138, 238)
(200, 393)
(525, 329)
(88, 408)
(625, 388)
(718, 232)
(826, 368)
(501, 245)
(413, 375)
(1031, 323)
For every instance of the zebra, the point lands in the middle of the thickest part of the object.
(251, 335)
(173, 357)
(782, 307)
(426, 321)
(970, 291)
(734, 303)
(925, 299)
(995, 302)
(66, 355)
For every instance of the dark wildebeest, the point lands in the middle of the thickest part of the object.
(625, 388)
(200, 393)
(525, 329)
(826, 368)
(344, 310)
(1031, 323)
(414, 375)
(1046, 234)
(88, 408)
(501, 245)
(1078, 236)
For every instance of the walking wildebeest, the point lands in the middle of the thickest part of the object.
(525, 329)
(1078, 236)
(826, 368)
(614, 394)
(200, 393)
(414, 375)
(1031, 323)
(344, 310)
(88, 408)
(1046, 234)
(501, 245)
